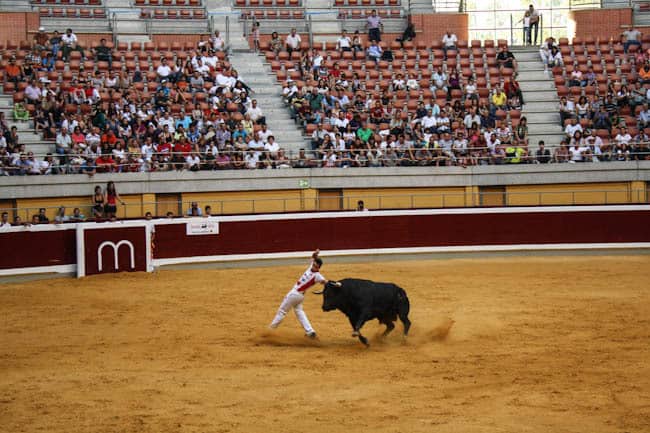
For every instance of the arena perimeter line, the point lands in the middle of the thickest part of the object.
(369, 258)
(360, 258)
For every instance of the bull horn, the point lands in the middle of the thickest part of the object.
(337, 283)
(319, 292)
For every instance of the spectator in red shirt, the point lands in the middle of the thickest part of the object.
(108, 139)
(13, 71)
(105, 164)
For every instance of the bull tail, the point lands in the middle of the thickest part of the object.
(403, 308)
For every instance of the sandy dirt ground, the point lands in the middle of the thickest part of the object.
(559, 344)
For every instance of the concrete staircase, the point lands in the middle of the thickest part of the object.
(33, 142)
(255, 74)
(540, 97)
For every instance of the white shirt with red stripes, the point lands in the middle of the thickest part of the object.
(308, 279)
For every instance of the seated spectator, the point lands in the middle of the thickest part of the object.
(499, 100)
(13, 72)
(572, 127)
(105, 163)
(344, 43)
(77, 216)
(374, 51)
(644, 117)
(567, 110)
(41, 217)
(583, 108)
(103, 53)
(513, 92)
(218, 44)
(542, 154)
(275, 43)
(194, 210)
(632, 37)
(644, 73)
(439, 80)
(408, 35)
(595, 145)
(20, 113)
(70, 43)
(576, 78)
(555, 58)
(55, 43)
(60, 216)
(505, 59)
(163, 71)
(545, 49)
(449, 41)
(357, 44)
(293, 41)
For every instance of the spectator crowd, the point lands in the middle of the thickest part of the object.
(194, 112)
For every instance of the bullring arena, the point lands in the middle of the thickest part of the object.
(168, 168)
(508, 344)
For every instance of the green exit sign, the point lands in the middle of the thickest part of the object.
(303, 183)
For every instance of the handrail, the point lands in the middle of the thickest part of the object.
(76, 164)
(373, 201)
(227, 48)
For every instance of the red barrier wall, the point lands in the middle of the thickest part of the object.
(30, 248)
(55, 249)
(405, 231)
(115, 239)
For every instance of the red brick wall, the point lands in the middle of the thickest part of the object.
(17, 25)
(433, 26)
(600, 23)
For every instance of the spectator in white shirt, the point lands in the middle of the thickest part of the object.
(292, 42)
(70, 43)
(63, 142)
(218, 44)
(449, 41)
(344, 43)
(623, 138)
(163, 71)
(264, 133)
(255, 113)
(271, 147)
(572, 127)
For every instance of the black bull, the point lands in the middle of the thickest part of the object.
(363, 300)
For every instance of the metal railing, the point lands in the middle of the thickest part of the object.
(349, 203)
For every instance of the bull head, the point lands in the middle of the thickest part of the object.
(330, 295)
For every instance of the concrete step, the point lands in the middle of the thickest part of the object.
(540, 97)
(527, 56)
(540, 107)
(537, 75)
(533, 86)
(543, 118)
(547, 128)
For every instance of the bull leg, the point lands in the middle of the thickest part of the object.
(403, 313)
(407, 323)
(389, 327)
(363, 318)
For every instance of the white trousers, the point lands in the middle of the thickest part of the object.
(293, 300)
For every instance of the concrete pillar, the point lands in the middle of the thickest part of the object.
(309, 199)
(471, 196)
(149, 204)
(638, 192)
